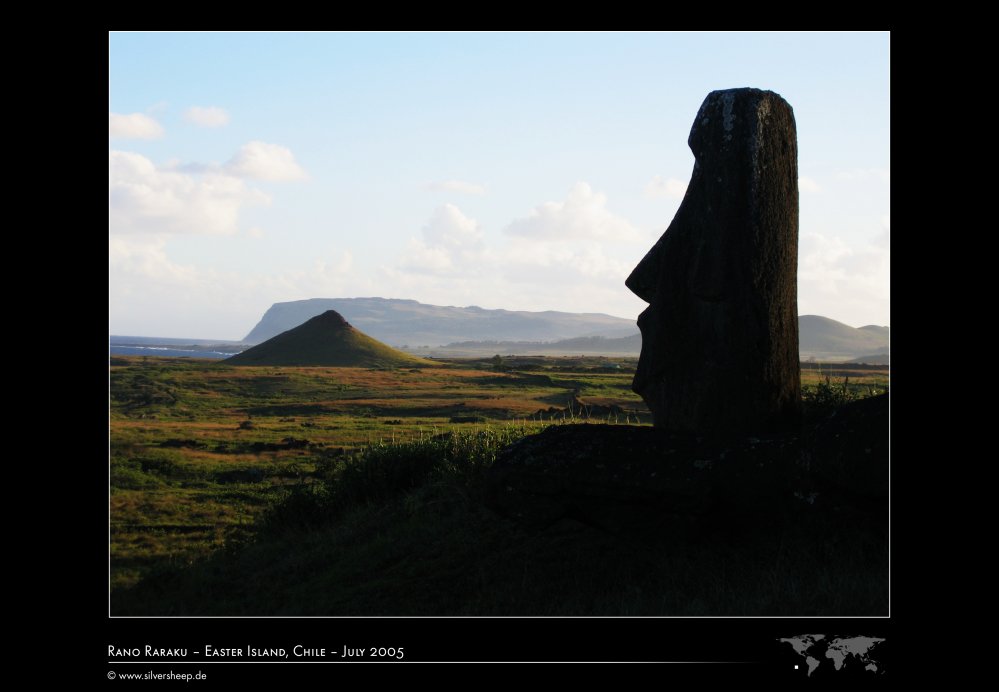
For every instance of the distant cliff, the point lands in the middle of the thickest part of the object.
(407, 322)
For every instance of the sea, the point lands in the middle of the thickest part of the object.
(175, 348)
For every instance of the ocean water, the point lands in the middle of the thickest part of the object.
(165, 351)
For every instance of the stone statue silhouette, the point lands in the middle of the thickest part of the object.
(720, 335)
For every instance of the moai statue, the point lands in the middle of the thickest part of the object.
(720, 335)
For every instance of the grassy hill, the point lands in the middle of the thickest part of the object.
(403, 530)
(325, 340)
(821, 337)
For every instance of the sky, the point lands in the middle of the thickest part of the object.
(525, 171)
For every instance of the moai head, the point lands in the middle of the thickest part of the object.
(720, 335)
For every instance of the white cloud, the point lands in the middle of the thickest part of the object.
(582, 216)
(145, 199)
(459, 186)
(146, 257)
(452, 243)
(153, 295)
(449, 227)
(256, 232)
(525, 275)
(264, 161)
(450, 264)
(425, 259)
(808, 184)
(556, 263)
(133, 126)
(207, 116)
(836, 279)
(671, 187)
(453, 262)
(339, 267)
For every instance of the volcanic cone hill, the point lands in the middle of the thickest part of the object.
(325, 340)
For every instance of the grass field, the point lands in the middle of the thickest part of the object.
(202, 453)
(199, 449)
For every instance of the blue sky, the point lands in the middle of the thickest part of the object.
(519, 171)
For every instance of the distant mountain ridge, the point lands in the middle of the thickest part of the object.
(456, 331)
(408, 322)
(580, 345)
(820, 337)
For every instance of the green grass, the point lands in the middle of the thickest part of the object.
(386, 472)
(402, 530)
(186, 435)
(216, 470)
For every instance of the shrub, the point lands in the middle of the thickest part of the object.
(385, 472)
(823, 398)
